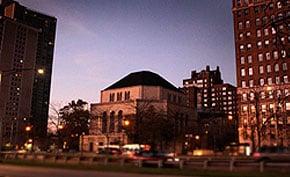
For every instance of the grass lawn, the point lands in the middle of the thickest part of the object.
(134, 169)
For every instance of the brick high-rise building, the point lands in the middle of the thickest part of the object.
(215, 102)
(261, 29)
(30, 38)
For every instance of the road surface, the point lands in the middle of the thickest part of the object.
(22, 171)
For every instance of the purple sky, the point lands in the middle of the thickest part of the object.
(100, 41)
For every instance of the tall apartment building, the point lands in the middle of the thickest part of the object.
(28, 55)
(215, 102)
(261, 29)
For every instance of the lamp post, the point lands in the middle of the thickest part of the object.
(126, 123)
(29, 141)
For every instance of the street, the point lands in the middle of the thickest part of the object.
(20, 171)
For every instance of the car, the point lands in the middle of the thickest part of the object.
(155, 156)
(109, 151)
(272, 153)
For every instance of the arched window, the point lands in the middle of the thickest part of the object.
(112, 122)
(104, 122)
(120, 119)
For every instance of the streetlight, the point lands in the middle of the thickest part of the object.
(126, 124)
(29, 144)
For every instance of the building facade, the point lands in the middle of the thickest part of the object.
(133, 99)
(215, 102)
(38, 65)
(261, 30)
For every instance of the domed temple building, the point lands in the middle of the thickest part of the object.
(141, 108)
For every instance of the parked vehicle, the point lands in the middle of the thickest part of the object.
(272, 153)
(109, 150)
(155, 156)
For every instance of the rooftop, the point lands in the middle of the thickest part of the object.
(146, 78)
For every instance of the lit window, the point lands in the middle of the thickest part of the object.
(266, 32)
(250, 71)
(259, 45)
(247, 24)
(268, 68)
(262, 82)
(261, 69)
(285, 79)
(251, 83)
(240, 25)
(284, 66)
(249, 46)
(258, 21)
(259, 33)
(275, 53)
(242, 47)
(276, 67)
(268, 56)
(248, 34)
(273, 31)
(267, 42)
(241, 35)
(281, 27)
(260, 57)
(250, 59)
(252, 96)
(244, 108)
(264, 107)
(244, 97)
(242, 60)
(279, 5)
(263, 95)
(269, 81)
(288, 106)
(277, 78)
(244, 84)
(283, 53)
(243, 72)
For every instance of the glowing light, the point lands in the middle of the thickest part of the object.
(28, 128)
(60, 127)
(126, 122)
(40, 71)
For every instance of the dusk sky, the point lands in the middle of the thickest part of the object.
(100, 41)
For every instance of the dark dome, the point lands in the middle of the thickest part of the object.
(142, 78)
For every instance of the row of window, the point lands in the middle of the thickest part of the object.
(257, 9)
(260, 21)
(261, 56)
(263, 81)
(266, 32)
(262, 69)
(269, 94)
(266, 44)
(119, 96)
(264, 107)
